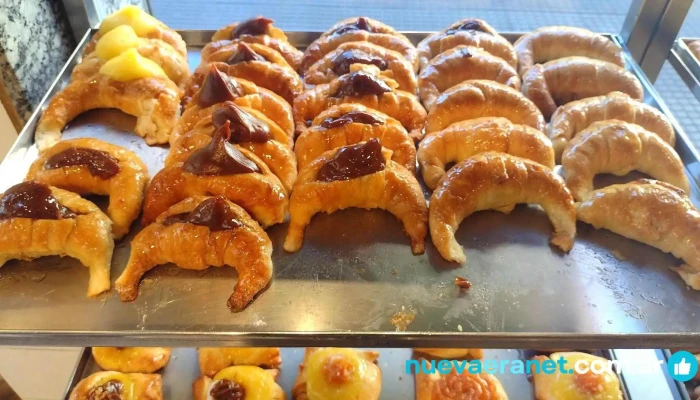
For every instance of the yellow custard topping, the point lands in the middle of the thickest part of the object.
(131, 65)
(141, 21)
(116, 41)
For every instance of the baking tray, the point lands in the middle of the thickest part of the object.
(685, 389)
(356, 271)
(685, 63)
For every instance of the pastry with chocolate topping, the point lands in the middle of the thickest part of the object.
(239, 383)
(359, 24)
(111, 385)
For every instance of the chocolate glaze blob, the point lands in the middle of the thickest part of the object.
(349, 118)
(217, 88)
(244, 126)
(32, 200)
(470, 25)
(100, 163)
(227, 390)
(362, 24)
(352, 162)
(253, 27)
(219, 157)
(361, 83)
(342, 62)
(214, 213)
(244, 53)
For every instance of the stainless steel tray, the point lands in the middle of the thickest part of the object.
(685, 63)
(356, 271)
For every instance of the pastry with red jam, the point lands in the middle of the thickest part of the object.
(112, 385)
(239, 383)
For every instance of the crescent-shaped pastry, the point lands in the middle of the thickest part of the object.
(618, 147)
(498, 181)
(576, 116)
(359, 24)
(214, 359)
(347, 124)
(37, 220)
(338, 373)
(455, 385)
(451, 353)
(459, 64)
(366, 88)
(145, 360)
(251, 27)
(361, 176)
(482, 98)
(231, 51)
(560, 385)
(654, 213)
(553, 42)
(128, 82)
(337, 63)
(219, 169)
(464, 139)
(91, 166)
(116, 385)
(239, 382)
(564, 80)
(215, 233)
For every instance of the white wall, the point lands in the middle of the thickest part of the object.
(8, 134)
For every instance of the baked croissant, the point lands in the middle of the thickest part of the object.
(198, 233)
(231, 51)
(361, 176)
(654, 213)
(337, 63)
(618, 147)
(451, 353)
(144, 360)
(214, 359)
(482, 98)
(338, 373)
(349, 123)
(455, 385)
(116, 385)
(464, 139)
(222, 169)
(37, 220)
(361, 24)
(564, 80)
(498, 181)
(239, 382)
(459, 64)
(560, 385)
(368, 89)
(91, 166)
(576, 116)
(553, 42)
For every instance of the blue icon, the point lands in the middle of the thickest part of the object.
(682, 366)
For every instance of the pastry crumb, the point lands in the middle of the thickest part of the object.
(394, 272)
(403, 318)
(462, 283)
(459, 328)
(618, 255)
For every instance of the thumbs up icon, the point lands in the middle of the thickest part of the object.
(682, 368)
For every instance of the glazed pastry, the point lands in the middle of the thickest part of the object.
(214, 359)
(464, 139)
(366, 88)
(198, 233)
(617, 148)
(231, 52)
(118, 386)
(251, 27)
(239, 382)
(451, 353)
(37, 220)
(337, 63)
(128, 82)
(576, 116)
(654, 213)
(459, 64)
(144, 360)
(436, 386)
(219, 169)
(561, 386)
(481, 98)
(554, 42)
(338, 373)
(359, 24)
(498, 181)
(91, 166)
(564, 80)
(251, 130)
(349, 123)
(362, 176)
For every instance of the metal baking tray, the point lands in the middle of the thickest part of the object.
(686, 390)
(686, 64)
(356, 271)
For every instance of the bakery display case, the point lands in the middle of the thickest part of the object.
(684, 58)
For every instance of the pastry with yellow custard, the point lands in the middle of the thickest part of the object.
(455, 385)
(116, 385)
(242, 382)
(214, 359)
(338, 374)
(576, 386)
(144, 360)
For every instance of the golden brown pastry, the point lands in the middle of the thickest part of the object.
(37, 220)
(553, 42)
(214, 359)
(145, 360)
(360, 23)
(91, 166)
(564, 80)
(198, 233)
(576, 116)
(119, 386)
(618, 147)
(349, 123)
(498, 181)
(464, 386)
(576, 386)
(366, 88)
(451, 353)
(694, 48)
(338, 373)
(459, 64)
(362, 176)
(654, 213)
(219, 169)
(482, 98)
(231, 51)
(239, 382)
(464, 139)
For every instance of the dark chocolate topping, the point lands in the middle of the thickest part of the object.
(353, 162)
(341, 62)
(217, 88)
(111, 390)
(253, 27)
(353, 116)
(227, 390)
(244, 126)
(101, 164)
(32, 200)
(362, 24)
(214, 213)
(467, 26)
(361, 83)
(244, 53)
(219, 157)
